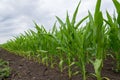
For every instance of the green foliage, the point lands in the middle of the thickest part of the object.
(114, 32)
(4, 69)
(73, 45)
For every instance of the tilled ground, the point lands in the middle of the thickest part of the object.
(23, 69)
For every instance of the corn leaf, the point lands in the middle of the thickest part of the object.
(75, 14)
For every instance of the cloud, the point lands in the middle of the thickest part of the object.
(16, 16)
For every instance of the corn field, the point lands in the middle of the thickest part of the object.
(73, 45)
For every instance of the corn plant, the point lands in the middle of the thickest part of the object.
(98, 40)
(4, 69)
(72, 44)
(114, 34)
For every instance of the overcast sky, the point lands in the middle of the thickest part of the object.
(16, 16)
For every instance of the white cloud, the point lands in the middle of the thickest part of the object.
(16, 16)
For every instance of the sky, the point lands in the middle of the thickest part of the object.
(17, 16)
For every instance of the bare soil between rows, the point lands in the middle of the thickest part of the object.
(24, 69)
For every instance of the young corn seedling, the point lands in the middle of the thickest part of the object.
(115, 35)
(98, 40)
(4, 69)
(72, 42)
(61, 62)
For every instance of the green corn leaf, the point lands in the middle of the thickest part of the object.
(43, 29)
(54, 27)
(72, 64)
(42, 51)
(75, 14)
(97, 9)
(32, 32)
(106, 21)
(61, 48)
(110, 22)
(44, 59)
(61, 63)
(106, 78)
(99, 19)
(118, 19)
(60, 21)
(97, 65)
(68, 21)
(75, 73)
(91, 18)
(78, 24)
(37, 28)
(117, 5)
(119, 34)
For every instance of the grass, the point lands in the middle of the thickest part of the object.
(73, 45)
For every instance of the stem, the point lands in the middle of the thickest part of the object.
(99, 76)
(69, 68)
(117, 61)
(84, 72)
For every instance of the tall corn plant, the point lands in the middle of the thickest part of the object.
(117, 34)
(47, 41)
(98, 40)
(72, 42)
(114, 33)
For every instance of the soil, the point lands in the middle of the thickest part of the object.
(24, 69)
